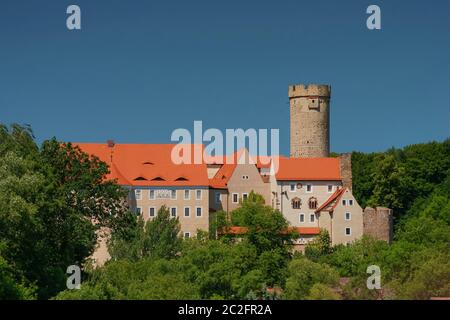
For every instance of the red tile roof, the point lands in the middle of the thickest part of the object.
(146, 165)
(220, 179)
(234, 230)
(334, 197)
(325, 169)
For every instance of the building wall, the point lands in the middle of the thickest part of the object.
(188, 224)
(222, 204)
(319, 191)
(310, 120)
(339, 222)
(245, 179)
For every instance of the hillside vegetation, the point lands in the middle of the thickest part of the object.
(50, 194)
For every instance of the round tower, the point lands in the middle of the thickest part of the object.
(310, 120)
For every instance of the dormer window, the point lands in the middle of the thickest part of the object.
(181, 179)
(158, 179)
(140, 179)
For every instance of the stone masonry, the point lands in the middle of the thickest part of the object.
(310, 120)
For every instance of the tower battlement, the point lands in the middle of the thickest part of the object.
(310, 90)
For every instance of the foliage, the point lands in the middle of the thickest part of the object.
(319, 247)
(142, 280)
(304, 274)
(156, 238)
(52, 200)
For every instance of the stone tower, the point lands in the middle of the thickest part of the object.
(310, 120)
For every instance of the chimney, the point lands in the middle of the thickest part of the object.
(346, 170)
(110, 143)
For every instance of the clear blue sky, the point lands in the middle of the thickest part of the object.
(139, 69)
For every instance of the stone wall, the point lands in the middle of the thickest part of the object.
(346, 170)
(378, 223)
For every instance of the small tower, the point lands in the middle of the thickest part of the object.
(310, 120)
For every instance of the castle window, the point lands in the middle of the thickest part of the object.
(187, 235)
(173, 212)
(292, 187)
(198, 211)
(174, 194)
(198, 195)
(312, 217)
(344, 202)
(296, 203)
(302, 217)
(312, 203)
(350, 202)
(151, 194)
(138, 210)
(244, 196)
(330, 188)
(217, 195)
(187, 194)
(309, 188)
(187, 211)
(151, 212)
(138, 194)
(235, 198)
(348, 216)
(348, 231)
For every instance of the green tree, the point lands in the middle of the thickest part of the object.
(304, 274)
(320, 291)
(266, 227)
(156, 238)
(319, 247)
(52, 201)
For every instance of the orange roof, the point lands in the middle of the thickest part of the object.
(300, 230)
(220, 179)
(309, 169)
(334, 197)
(147, 165)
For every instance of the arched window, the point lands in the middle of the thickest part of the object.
(296, 203)
(312, 202)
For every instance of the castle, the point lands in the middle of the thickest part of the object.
(311, 189)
